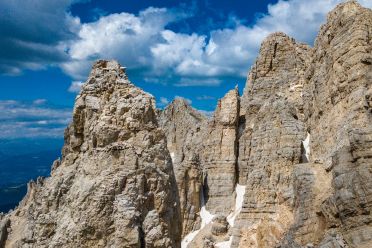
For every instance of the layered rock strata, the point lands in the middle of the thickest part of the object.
(287, 164)
(337, 92)
(270, 140)
(220, 153)
(184, 127)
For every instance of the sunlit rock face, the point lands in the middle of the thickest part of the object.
(338, 115)
(287, 164)
(220, 154)
(270, 143)
(114, 186)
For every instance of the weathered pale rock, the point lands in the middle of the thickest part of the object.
(270, 141)
(204, 156)
(298, 142)
(338, 115)
(220, 225)
(114, 186)
(311, 187)
(184, 127)
(334, 100)
(348, 210)
(338, 89)
(220, 154)
(4, 224)
(278, 70)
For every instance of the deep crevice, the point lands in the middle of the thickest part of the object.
(240, 126)
(141, 237)
(275, 48)
(303, 158)
(205, 191)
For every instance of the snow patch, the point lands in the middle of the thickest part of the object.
(172, 156)
(240, 191)
(188, 238)
(306, 144)
(205, 215)
(206, 218)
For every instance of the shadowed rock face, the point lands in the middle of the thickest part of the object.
(183, 127)
(288, 164)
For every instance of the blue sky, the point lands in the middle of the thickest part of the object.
(192, 49)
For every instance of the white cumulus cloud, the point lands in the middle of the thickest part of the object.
(144, 43)
(75, 86)
(35, 119)
(163, 101)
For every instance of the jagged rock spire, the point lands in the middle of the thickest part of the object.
(115, 185)
(134, 176)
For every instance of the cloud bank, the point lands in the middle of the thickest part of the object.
(32, 33)
(32, 119)
(45, 33)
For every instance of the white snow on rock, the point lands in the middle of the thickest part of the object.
(188, 238)
(206, 218)
(205, 215)
(172, 156)
(240, 191)
(306, 144)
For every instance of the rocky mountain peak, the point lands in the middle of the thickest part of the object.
(227, 111)
(287, 164)
(278, 70)
(344, 11)
(115, 184)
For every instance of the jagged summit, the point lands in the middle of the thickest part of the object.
(345, 10)
(107, 65)
(115, 185)
(278, 70)
(106, 72)
(287, 164)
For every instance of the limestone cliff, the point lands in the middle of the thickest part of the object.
(287, 164)
(114, 186)
(183, 127)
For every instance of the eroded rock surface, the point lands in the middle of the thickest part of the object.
(270, 141)
(184, 127)
(220, 154)
(4, 224)
(114, 186)
(287, 164)
(338, 89)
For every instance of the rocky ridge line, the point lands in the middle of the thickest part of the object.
(287, 164)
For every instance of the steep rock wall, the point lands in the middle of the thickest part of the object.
(114, 186)
(287, 164)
